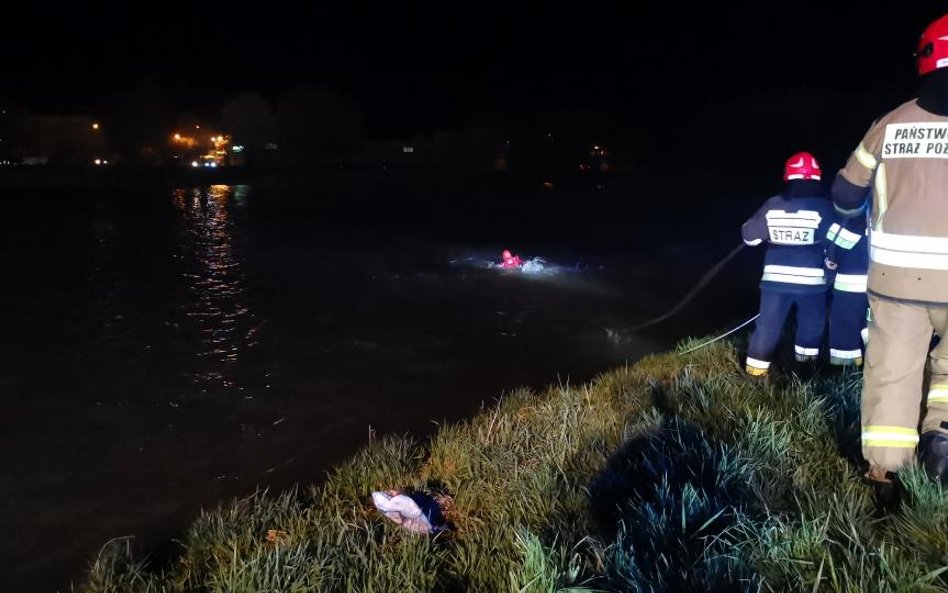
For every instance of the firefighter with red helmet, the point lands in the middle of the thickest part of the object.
(903, 158)
(794, 225)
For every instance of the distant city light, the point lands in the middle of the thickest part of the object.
(238, 148)
(197, 127)
(98, 161)
(182, 140)
(95, 126)
(194, 164)
(213, 165)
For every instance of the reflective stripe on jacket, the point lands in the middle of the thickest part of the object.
(904, 158)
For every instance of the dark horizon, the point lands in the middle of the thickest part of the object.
(412, 70)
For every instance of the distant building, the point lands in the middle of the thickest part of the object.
(384, 154)
(55, 139)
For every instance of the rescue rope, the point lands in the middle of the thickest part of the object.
(721, 337)
(709, 275)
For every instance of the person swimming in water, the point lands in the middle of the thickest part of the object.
(510, 261)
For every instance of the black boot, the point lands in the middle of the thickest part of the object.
(933, 455)
(887, 493)
(888, 496)
(810, 367)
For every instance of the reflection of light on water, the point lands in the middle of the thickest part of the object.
(103, 274)
(215, 279)
(240, 194)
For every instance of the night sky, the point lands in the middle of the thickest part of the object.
(436, 65)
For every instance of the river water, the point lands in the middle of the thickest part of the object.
(168, 349)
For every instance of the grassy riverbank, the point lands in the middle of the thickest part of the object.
(672, 474)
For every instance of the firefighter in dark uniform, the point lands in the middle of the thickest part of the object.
(794, 225)
(848, 257)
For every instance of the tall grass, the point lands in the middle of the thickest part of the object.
(678, 473)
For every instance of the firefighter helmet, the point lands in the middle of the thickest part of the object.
(802, 165)
(932, 52)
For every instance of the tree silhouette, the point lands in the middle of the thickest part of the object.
(140, 124)
(317, 123)
(249, 121)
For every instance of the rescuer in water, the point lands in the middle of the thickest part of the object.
(510, 261)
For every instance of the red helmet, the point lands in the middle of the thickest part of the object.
(802, 165)
(932, 52)
(506, 254)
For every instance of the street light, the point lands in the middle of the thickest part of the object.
(95, 126)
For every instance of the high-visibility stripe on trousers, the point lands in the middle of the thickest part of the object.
(775, 307)
(900, 337)
(938, 393)
(847, 319)
(889, 436)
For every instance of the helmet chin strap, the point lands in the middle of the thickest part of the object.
(933, 92)
(804, 188)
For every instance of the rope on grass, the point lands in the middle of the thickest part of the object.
(722, 336)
